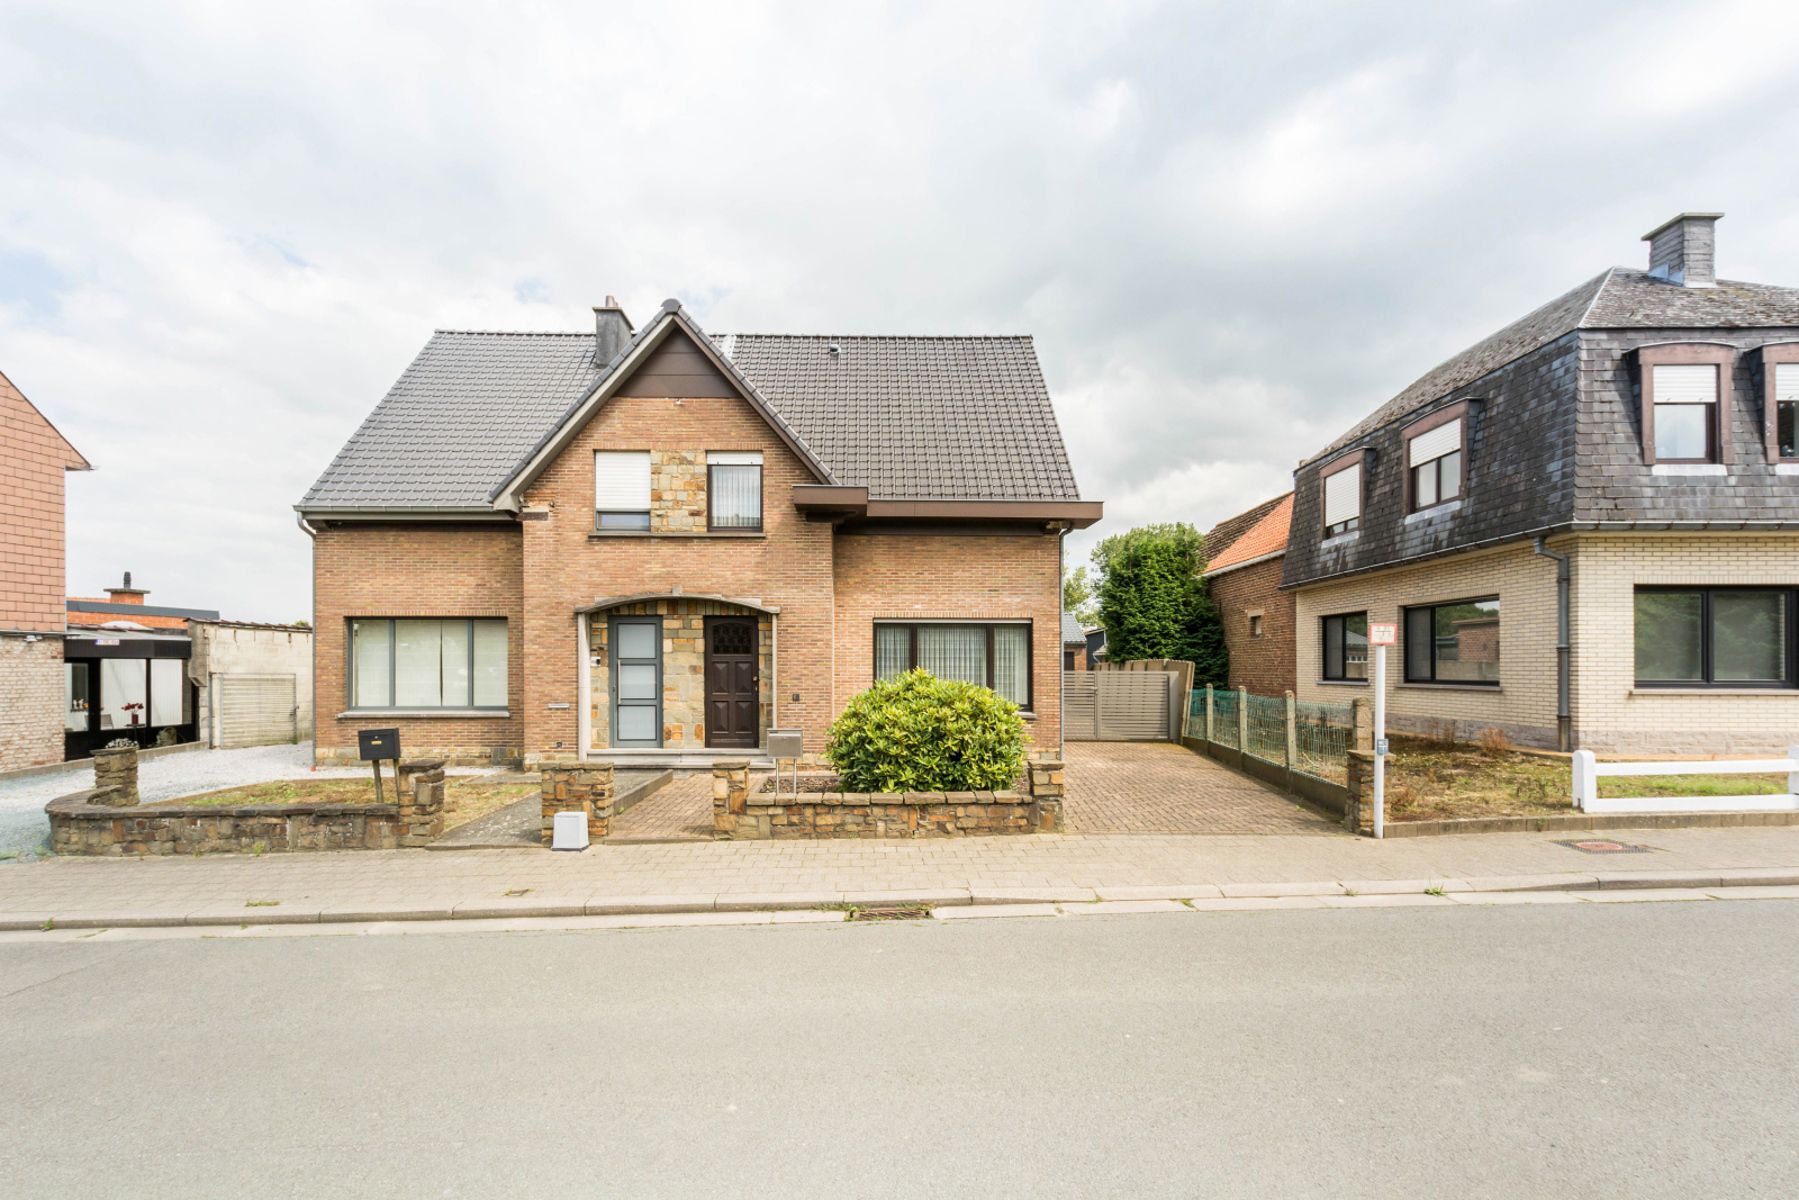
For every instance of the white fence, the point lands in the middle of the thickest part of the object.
(1588, 769)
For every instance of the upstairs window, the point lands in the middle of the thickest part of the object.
(621, 489)
(734, 490)
(1434, 460)
(1343, 499)
(1686, 412)
(1786, 409)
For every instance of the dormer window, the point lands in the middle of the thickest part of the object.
(1685, 404)
(1342, 481)
(1434, 449)
(1780, 400)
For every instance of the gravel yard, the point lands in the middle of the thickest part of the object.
(24, 829)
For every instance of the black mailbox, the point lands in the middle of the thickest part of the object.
(377, 744)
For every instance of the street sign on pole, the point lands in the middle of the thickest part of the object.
(1382, 633)
(1380, 726)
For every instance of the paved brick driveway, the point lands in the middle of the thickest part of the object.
(1159, 787)
(680, 810)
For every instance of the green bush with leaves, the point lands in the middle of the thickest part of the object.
(918, 733)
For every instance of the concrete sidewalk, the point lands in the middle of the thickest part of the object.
(699, 877)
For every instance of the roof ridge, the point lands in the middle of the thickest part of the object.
(894, 337)
(1605, 281)
(515, 332)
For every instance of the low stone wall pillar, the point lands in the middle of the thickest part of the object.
(1358, 809)
(421, 789)
(115, 777)
(577, 787)
(1044, 779)
(730, 796)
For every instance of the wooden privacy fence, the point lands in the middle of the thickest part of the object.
(1120, 706)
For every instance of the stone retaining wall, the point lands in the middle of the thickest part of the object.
(578, 787)
(742, 815)
(107, 821)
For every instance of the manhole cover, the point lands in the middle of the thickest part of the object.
(891, 912)
(1601, 846)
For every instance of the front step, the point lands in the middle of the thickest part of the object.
(679, 760)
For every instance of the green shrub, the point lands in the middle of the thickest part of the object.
(918, 733)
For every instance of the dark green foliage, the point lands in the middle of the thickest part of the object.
(1153, 602)
(918, 733)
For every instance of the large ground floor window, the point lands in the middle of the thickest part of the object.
(1346, 647)
(1714, 637)
(1455, 643)
(408, 662)
(994, 655)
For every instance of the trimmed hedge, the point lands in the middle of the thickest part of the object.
(918, 733)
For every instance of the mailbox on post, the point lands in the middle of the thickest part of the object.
(375, 745)
(786, 745)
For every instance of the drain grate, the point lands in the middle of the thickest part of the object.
(891, 912)
(1601, 846)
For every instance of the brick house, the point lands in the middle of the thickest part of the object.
(34, 457)
(657, 544)
(1244, 558)
(1586, 526)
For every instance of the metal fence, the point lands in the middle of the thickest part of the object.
(1299, 736)
(1224, 717)
(1322, 737)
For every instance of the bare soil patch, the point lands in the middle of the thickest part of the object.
(465, 797)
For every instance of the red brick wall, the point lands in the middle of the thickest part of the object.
(568, 567)
(1263, 665)
(33, 457)
(882, 576)
(414, 571)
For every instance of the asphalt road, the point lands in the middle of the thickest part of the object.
(1633, 1050)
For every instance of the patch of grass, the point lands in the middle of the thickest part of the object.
(262, 903)
(1433, 781)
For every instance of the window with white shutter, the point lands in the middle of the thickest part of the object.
(1343, 500)
(1434, 460)
(1686, 412)
(1786, 408)
(621, 489)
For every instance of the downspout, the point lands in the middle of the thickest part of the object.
(312, 535)
(1061, 675)
(1564, 723)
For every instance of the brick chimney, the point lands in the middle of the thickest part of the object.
(1682, 250)
(612, 331)
(125, 593)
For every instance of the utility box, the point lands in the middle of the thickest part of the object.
(785, 744)
(568, 831)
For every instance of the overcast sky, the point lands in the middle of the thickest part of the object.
(1233, 229)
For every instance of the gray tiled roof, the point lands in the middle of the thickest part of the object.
(1072, 631)
(942, 417)
(1619, 299)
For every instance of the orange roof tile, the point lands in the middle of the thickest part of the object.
(1266, 537)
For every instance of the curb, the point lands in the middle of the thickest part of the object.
(1045, 901)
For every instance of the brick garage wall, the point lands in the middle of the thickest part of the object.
(952, 576)
(569, 567)
(1610, 713)
(1263, 665)
(415, 571)
(1522, 706)
(31, 702)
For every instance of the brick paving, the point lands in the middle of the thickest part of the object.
(1159, 787)
(680, 810)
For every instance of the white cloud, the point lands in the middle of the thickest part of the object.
(1232, 229)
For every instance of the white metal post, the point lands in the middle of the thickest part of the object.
(1586, 781)
(1380, 741)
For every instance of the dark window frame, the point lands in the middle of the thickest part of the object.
(1707, 668)
(1030, 651)
(1676, 354)
(1405, 631)
(1355, 458)
(1324, 659)
(1456, 413)
(712, 525)
(1774, 355)
(350, 704)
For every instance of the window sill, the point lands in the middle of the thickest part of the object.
(640, 534)
(1689, 469)
(1451, 687)
(1342, 683)
(1342, 539)
(1713, 691)
(1786, 468)
(413, 714)
(1434, 511)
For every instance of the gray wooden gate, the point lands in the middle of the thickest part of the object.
(1117, 706)
(255, 710)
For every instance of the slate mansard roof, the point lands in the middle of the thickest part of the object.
(1618, 299)
(955, 418)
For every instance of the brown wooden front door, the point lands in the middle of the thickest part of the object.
(732, 683)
